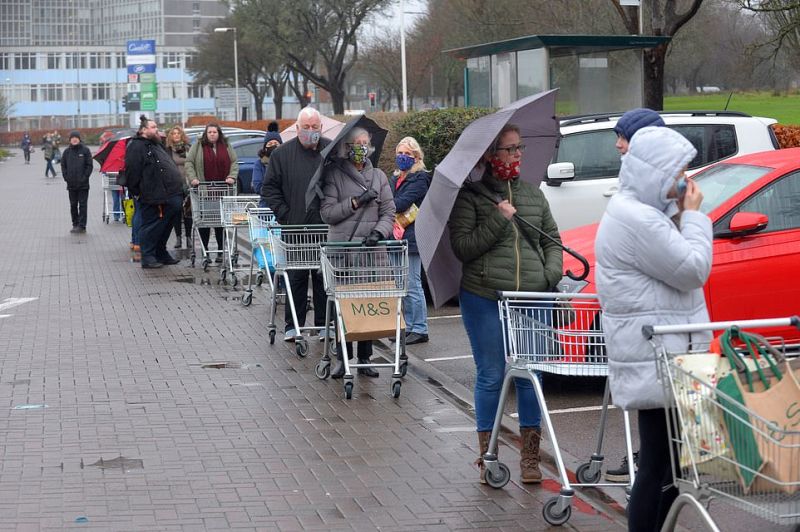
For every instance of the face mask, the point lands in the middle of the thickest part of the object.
(268, 150)
(403, 161)
(504, 171)
(358, 153)
(308, 137)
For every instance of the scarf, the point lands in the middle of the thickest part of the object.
(216, 166)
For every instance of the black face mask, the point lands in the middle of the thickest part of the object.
(268, 150)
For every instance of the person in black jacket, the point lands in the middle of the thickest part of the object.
(155, 179)
(76, 167)
(289, 173)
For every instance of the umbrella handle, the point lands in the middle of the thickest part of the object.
(580, 258)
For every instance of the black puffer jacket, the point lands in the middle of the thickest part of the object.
(76, 167)
(151, 173)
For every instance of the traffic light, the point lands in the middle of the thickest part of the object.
(371, 100)
(125, 103)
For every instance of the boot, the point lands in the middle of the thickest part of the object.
(529, 461)
(367, 372)
(137, 253)
(338, 368)
(483, 445)
(178, 244)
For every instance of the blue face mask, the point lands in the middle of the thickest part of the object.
(358, 153)
(404, 162)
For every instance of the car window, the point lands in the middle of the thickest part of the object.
(722, 182)
(593, 154)
(713, 142)
(247, 150)
(779, 201)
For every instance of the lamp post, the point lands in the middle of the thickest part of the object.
(182, 65)
(235, 66)
(8, 104)
(403, 13)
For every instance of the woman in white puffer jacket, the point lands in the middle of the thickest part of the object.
(651, 271)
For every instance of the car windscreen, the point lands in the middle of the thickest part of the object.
(723, 181)
(248, 150)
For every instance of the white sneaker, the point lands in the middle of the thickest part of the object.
(290, 335)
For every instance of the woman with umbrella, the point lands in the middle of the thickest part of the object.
(498, 253)
(358, 205)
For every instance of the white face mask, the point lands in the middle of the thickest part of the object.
(308, 137)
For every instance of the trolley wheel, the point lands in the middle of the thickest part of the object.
(206, 262)
(223, 276)
(499, 479)
(234, 280)
(333, 348)
(585, 476)
(348, 390)
(259, 279)
(550, 515)
(403, 369)
(396, 389)
(271, 337)
(301, 347)
(322, 370)
(247, 298)
(106, 219)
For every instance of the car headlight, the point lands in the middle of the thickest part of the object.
(570, 286)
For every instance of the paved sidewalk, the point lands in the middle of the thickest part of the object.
(116, 352)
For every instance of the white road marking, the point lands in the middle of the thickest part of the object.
(11, 302)
(447, 358)
(574, 410)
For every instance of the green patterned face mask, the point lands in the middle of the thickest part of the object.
(358, 153)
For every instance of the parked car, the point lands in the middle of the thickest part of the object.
(247, 154)
(231, 133)
(584, 173)
(753, 202)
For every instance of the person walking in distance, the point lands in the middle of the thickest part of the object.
(76, 168)
(155, 179)
(49, 152)
(289, 173)
(27, 147)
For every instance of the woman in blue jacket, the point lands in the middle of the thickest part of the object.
(271, 141)
(409, 184)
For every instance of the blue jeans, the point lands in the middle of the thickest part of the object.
(49, 168)
(415, 310)
(136, 223)
(482, 321)
(116, 199)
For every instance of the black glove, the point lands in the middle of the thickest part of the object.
(372, 238)
(368, 196)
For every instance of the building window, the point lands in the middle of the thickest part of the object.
(53, 61)
(34, 93)
(196, 24)
(194, 90)
(25, 61)
(171, 57)
(195, 8)
(53, 93)
(5, 61)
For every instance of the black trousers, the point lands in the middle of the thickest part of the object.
(205, 236)
(157, 222)
(187, 225)
(78, 199)
(653, 492)
(298, 279)
(27, 155)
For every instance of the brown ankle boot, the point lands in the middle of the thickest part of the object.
(483, 444)
(529, 462)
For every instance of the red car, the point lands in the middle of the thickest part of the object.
(754, 204)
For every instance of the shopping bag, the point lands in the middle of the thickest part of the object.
(264, 261)
(128, 207)
(369, 318)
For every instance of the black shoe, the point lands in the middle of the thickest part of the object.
(218, 259)
(168, 260)
(622, 473)
(81, 229)
(338, 370)
(367, 372)
(416, 338)
(178, 244)
(75, 229)
(151, 265)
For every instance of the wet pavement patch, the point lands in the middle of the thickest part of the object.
(219, 365)
(18, 382)
(29, 407)
(120, 462)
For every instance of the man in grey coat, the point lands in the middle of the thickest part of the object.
(650, 271)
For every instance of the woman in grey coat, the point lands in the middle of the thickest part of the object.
(651, 271)
(358, 205)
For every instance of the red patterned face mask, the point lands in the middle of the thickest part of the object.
(504, 171)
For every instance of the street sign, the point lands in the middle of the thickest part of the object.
(134, 87)
(141, 62)
(147, 78)
(140, 69)
(141, 47)
(226, 98)
(148, 105)
(133, 78)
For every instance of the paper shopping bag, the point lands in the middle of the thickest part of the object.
(370, 318)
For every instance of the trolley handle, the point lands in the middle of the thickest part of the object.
(511, 294)
(359, 244)
(653, 330)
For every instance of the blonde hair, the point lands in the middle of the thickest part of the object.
(419, 155)
(184, 138)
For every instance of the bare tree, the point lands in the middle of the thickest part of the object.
(5, 108)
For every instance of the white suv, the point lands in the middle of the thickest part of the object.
(584, 173)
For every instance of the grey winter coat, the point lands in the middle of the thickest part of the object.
(337, 210)
(648, 271)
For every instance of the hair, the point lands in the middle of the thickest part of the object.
(204, 138)
(184, 137)
(143, 121)
(506, 129)
(413, 145)
(343, 149)
(308, 112)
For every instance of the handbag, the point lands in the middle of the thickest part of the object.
(129, 207)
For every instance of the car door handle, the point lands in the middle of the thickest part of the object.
(611, 191)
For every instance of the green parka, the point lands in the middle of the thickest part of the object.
(495, 253)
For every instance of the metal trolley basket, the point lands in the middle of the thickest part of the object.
(561, 334)
(234, 216)
(294, 247)
(714, 468)
(262, 223)
(354, 272)
(207, 214)
(110, 186)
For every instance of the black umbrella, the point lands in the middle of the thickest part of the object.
(378, 136)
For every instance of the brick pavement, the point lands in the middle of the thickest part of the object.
(115, 353)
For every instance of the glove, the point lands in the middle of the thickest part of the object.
(368, 196)
(372, 238)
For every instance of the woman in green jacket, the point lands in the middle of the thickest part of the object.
(499, 254)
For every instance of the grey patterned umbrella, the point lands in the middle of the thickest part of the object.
(535, 116)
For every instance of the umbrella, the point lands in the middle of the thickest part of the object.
(330, 128)
(535, 116)
(378, 136)
(111, 154)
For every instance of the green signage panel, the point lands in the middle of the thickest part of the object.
(148, 105)
(147, 78)
(148, 87)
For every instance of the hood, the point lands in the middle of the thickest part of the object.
(656, 155)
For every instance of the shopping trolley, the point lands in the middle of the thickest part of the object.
(206, 214)
(234, 216)
(561, 334)
(725, 467)
(354, 273)
(261, 222)
(110, 187)
(294, 247)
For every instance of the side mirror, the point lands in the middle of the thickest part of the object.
(747, 223)
(560, 172)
